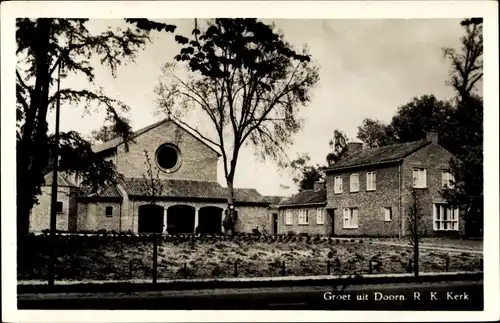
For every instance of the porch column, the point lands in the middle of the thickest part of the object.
(196, 218)
(164, 220)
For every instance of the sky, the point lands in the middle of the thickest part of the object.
(367, 68)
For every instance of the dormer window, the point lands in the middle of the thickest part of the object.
(168, 158)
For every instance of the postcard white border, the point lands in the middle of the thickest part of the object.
(269, 9)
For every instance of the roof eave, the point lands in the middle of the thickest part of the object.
(301, 204)
(388, 162)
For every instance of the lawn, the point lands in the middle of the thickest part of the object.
(130, 257)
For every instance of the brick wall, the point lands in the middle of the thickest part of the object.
(40, 214)
(92, 216)
(435, 159)
(370, 204)
(312, 227)
(251, 217)
(199, 162)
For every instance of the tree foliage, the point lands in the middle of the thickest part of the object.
(466, 72)
(410, 123)
(43, 45)
(338, 145)
(248, 83)
(305, 174)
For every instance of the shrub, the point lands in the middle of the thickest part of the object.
(291, 233)
(256, 232)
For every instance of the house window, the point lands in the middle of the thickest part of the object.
(303, 216)
(59, 207)
(337, 184)
(354, 182)
(350, 218)
(447, 179)
(371, 181)
(420, 178)
(320, 216)
(288, 217)
(109, 211)
(387, 214)
(445, 218)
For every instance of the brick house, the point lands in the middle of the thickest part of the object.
(192, 199)
(305, 212)
(369, 190)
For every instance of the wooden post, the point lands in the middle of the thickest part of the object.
(328, 267)
(235, 269)
(155, 259)
(283, 269)
(447, 264)
(481, 263)
(185, 270)
(370, 266)
(130, 269)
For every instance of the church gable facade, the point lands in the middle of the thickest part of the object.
(174, 151)
(191, 200)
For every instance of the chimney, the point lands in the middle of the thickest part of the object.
(319, 185)
(432, 136)
(353, 147)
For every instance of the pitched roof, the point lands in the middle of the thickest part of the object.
(62, 180)
(115, 142)
(306, 197)
(186, 189)
(380, 155)
(108, 191)
(275, 199)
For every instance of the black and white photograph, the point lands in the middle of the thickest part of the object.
(252, 160)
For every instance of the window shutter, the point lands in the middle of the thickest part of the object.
(355, 218)
(434, 216)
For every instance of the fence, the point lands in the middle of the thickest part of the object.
(121, 257)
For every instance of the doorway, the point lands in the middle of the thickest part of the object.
(275, 223)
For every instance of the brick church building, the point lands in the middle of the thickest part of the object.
(191, 201)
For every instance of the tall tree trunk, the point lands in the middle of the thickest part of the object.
(416, 241)
(230, 202)
(30, 152)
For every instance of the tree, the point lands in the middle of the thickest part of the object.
(374, 133)
(466, 73)
(43, 45)
(410, 123)
(304, 174)
(467, 66)
(246, 82)
(154, 189)
(105, 133)
(414, 217)
(339, 147)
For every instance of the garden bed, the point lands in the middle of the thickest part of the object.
(131, 257)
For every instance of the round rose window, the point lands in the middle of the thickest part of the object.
(168, 157)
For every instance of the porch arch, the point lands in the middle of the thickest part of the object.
(210, 219)
(150, 218)
(180, 219)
